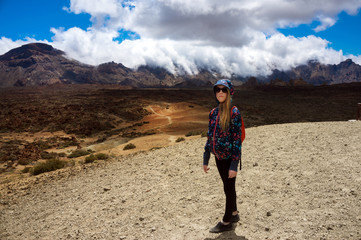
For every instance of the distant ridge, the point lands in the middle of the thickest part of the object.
(37, 64)
(316, 73)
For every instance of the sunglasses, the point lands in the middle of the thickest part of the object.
(218, 89)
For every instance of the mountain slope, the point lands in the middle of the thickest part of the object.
(316, 73)
(40, 64)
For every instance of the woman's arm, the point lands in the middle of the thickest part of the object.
(207, 150)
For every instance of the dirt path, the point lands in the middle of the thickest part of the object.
(161, 115)
(299, 181)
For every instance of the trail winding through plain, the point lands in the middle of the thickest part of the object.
(161, 115)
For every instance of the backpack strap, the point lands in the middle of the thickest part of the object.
(243, 133)
(212, 111)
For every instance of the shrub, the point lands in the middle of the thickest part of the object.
(155, 148)
(46, 155)
(90, 159)
(24, 161)
(78, 153)
(67, 143)
(98, 156)
(49, 165)
(129, 146)
(193, 133)
(101, 156)
(180, 139)
(26, 170)
(43, 145)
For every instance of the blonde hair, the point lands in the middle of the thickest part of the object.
(225, 112)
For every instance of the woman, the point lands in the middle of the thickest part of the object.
(224, 141)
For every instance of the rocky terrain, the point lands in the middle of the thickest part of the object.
(316, 73)
(39, 123)
(38, 64)
(299, 181)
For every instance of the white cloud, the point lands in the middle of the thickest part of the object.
(95, 8)
(229, 36)
(326, 22)
(225, 22)
(259, 57)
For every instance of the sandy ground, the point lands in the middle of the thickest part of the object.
(299, 181)
(169, 121)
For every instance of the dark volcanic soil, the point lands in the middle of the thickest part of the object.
(89, 109)
(103, 111)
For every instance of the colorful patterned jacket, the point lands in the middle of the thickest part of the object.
(224, 144)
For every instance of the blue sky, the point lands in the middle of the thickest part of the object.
(35, 18)
(344, 35)
(24, 18)
(177, 33)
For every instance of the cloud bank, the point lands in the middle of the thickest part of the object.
(230, 37)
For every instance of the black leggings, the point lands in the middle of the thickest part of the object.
(229, 186)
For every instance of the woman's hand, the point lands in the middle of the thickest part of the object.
(205, 168)
(232, 174)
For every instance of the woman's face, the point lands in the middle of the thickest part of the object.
(221, 93)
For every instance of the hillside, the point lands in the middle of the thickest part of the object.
(316, 73)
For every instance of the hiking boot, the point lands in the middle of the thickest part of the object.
(220, 227)
(235, 218)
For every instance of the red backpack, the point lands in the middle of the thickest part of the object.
(243, 134)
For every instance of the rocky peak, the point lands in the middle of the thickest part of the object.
(347, 63)
(30, 50)
(112, 68)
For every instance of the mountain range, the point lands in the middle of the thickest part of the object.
(37, 64)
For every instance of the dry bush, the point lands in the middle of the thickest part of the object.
(48, 166)
(98, 156)
(79, 153)
(101, 156)
(90, 159)
(47, 155)
(129, 146)
(180, 139)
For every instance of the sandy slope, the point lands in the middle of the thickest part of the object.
(299, 181)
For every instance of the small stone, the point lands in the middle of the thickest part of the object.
(267, 229)
(255, 164)
(269, 214)
(141, 219)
